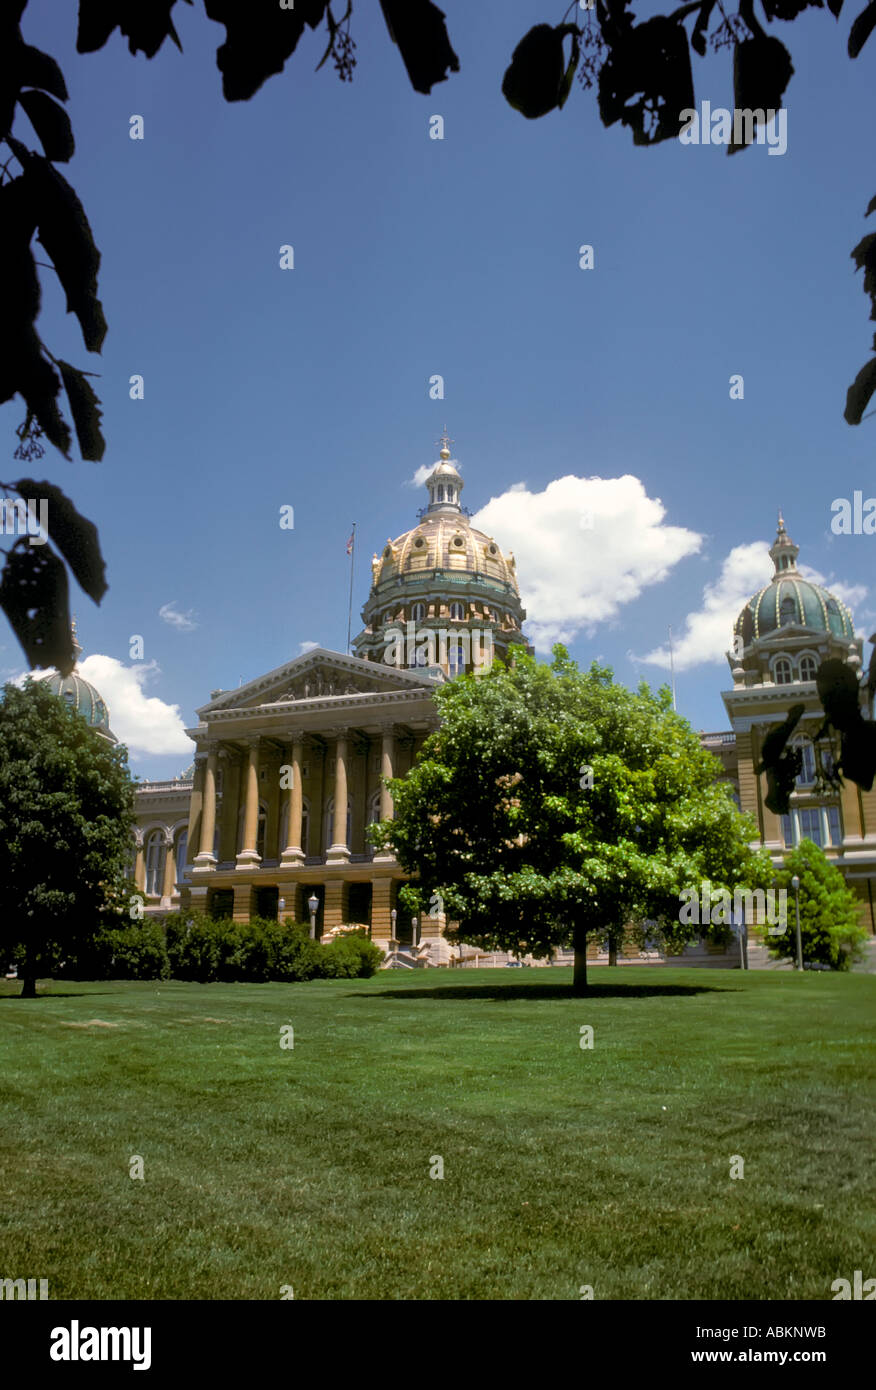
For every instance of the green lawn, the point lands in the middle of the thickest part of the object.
(562, 1166)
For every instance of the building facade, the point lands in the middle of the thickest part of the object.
(288, 770)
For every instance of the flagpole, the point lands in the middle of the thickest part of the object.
(672, 668)
(350, 609)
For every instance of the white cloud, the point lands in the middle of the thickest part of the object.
(707, 634)
(422, 473)
(584, 547)
(304, 647)
(183, 621)
(143, 722)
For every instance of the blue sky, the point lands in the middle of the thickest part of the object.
(310, 387)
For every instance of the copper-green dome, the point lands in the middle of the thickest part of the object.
(79, 695)
(791, 601)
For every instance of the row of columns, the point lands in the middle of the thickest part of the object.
(293, 855)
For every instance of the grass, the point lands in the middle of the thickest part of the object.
(310, 1167)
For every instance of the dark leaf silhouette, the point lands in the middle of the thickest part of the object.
(51, 123)
(86, 412)
(259, 38)
(646, 80)
(862, 29)
(64, 232)
(762, 69)
(698, 37)
(145, 25)
(74, 535)
(781, 767)
(839, 693)
(33, 595)
(38, 69)
(534, 81)
(418, 27)
(860, 392)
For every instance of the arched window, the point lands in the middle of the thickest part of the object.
(182, 849)
(457, 611)
(440, 494)
(418, 612)
(806, 776)
(456, 658)
(807, 668)
(783, 671)
(155, 853)
(787, 612)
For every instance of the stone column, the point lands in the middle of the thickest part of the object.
(169, 871)
(139, 862)
(387, 756)
(387, 769)
(248, 858)
(206, 859)
(335, 907)
(339, 850)
(293, 853)
(196, 804)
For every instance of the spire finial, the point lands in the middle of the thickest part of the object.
(445, 443)
(77, 650)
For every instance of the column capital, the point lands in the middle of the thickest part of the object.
(138, 837)
(339, 731)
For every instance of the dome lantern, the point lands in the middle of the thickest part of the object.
(444, 483)
(783, 551)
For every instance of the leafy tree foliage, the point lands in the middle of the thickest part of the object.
(66, 814)
(495, 819)
(829, 926)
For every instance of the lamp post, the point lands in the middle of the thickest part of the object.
(795, 884)
(281, 908)
(313, 904)
(414, 933)
(392, 917)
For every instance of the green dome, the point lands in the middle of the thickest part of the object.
(791, 601)
(78, 695)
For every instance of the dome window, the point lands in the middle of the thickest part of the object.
(387, 554)
(458, 542)
(782, 671)
(457, 611)
(440, 494)
(807, 668)
(787, 612)
(419, 543)
(418, 612)
(492, 549)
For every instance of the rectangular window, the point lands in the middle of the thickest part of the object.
(834, 829)
(787, 830)
(811, 826)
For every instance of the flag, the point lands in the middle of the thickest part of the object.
(350, 543)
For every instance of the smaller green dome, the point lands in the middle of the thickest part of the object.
(789, 600)
(77, 694)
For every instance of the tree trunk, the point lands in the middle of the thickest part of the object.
(28, 988)
(612, 948)
(579, 974)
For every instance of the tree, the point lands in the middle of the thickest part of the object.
(553, 806)
(66, 815)
(829, 926)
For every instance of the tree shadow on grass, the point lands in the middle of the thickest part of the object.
(54, 994)
(497, 993)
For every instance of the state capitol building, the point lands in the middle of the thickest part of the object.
(288, 769)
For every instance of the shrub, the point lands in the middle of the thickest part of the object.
(137, 952)
(350, 958)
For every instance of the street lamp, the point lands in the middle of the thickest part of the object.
(313, 904)
(414, 932)
(392, 917)
(281, 907)
(795, 884)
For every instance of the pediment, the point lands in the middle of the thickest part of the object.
(317, 675)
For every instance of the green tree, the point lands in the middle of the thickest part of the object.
(829, 927)
(66, 814)
(553, 806)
